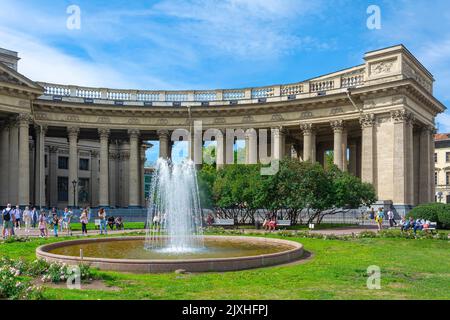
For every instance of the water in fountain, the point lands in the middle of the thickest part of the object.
(174, 219)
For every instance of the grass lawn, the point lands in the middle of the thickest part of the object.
(410, 269)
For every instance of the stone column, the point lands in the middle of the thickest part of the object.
(13, 163)
(338, 129)
(278, 143)
(113, 156)
(73, 163)
(367, 122)
(353, 158)
(308, 133)
(229, 146)
(39, 179)
(142, 160)
(251, 146)
(52, 176)
(220, 149)
(133, 198)
(195, 144)
(104, 167)
(4, 162)
(425, 166)
(96, 186)
(164, 140)
(24, 160)
(431, 160)
(402, 179)
(344, 151)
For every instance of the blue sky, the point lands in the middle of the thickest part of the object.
(194, 44)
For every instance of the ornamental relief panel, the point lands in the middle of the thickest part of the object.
(382, 67)
(73, 118)
(104, 120)
(134, 121)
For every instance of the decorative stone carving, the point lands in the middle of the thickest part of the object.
(52, 149)
(248, 119)
(401, 116)
(41, 116)
(113, 155)
(163, 133)
(24, 119)
(103, 133)
(73, 132)
(307, 128)
(73, 118)
(124, 155)
(134, 133)
(335, 111)
(277, 117)
(219, 121)
(382, 67)
(337, 125)
(306, 115)
(367, 120)
(134, 121)
(94, 154)
(162, 122)
(104, 120)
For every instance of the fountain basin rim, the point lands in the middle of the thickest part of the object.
(164, 265)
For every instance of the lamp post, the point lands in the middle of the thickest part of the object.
(74, 184)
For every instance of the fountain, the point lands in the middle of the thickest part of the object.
(174, 218)
(174, 236)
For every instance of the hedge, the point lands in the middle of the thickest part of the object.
(438, 212)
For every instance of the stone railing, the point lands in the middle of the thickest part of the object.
(340, 80)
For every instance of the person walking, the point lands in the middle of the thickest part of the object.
(102, 217)
(7, 221)
(43, 225)
(84, 221)
(27, 219)
(67, 218)
(379, 219)
(391, 218)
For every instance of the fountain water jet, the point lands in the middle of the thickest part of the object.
(174, 216)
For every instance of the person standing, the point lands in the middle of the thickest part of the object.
(84, 221)
(34, 217)
(391, 218)
(67, 218)
(43, 225)
(7, 221)
(102, 217)
(55, 222)
(27, 219)
(17, 217)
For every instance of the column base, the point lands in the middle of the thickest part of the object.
(402, 210)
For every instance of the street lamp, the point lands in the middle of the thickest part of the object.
(74, 184)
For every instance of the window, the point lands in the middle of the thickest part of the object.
(83, 190)
(447, 157)
(46, 161)
(63, 189)
(435, 178)
(435, 158)
(84, 164)
(63, 163)
(447, 199)
(447, 178)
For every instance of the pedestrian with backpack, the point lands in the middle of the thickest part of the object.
(7, 221)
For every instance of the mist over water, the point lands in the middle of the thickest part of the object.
(174, 216)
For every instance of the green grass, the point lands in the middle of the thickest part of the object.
(410, 269)
(91, 226)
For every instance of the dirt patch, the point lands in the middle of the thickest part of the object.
(98, 285)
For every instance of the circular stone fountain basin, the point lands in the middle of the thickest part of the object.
(127, 254)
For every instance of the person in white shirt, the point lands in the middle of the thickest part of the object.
(391, 218)
(27, 217)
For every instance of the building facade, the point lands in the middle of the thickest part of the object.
(377, 118)
(442, 167)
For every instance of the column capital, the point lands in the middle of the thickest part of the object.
(41, 128)
(124, 155)
(307, 128)
(73, 132)
(337, 125)
(24, 119)
(163, 133)
(53, 149)
(367, 120)
(94, 154)
(134, 133)
(280, 130)
(402, 115)
(113, 155)
(104, 133)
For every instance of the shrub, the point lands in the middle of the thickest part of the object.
(437, 212)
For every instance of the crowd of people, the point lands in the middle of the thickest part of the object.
(16, 218)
